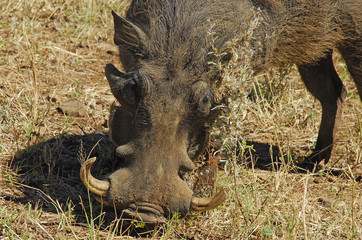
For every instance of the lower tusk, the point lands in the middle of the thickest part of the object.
(99, 187)
(204, 204)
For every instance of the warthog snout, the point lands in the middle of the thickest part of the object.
(143, 208)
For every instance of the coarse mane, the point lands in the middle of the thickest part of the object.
(181, 34)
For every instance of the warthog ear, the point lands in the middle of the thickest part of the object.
(123, 86)
(128, 34)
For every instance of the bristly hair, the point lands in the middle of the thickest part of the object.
(181, 34)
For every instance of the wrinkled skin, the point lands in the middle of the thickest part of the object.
(157, 142)
(166, 97)
(162, 129)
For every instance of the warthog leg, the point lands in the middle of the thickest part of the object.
(353, 56)
(322, 81)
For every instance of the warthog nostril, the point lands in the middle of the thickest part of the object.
(147, 207)
(146, 212)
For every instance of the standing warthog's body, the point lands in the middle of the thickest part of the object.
(166, 94)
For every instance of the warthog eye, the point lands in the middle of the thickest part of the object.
(206, 104)
(206, 99)
(203, 97)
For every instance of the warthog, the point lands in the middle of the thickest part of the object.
(167, 94)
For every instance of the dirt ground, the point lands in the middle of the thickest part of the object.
(54, 111)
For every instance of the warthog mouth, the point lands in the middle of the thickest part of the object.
(144, 211)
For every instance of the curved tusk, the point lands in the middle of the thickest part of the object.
(204, 204)
(125, 150)
(99, 187)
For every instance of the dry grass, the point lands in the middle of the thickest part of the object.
(54, 52)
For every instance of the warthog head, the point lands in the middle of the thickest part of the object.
(159, 127)
(154, 129)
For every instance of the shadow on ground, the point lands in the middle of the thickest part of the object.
(53, 166)
(50, 172)
(268, 157)
(51, 169)
(264, 156)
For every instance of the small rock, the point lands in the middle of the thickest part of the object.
(325, 202)
(331, 178)
(317, 180)
(72, 108)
